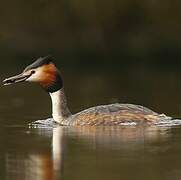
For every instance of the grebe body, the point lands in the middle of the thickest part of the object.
(44, 72)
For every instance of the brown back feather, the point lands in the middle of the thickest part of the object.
(116, 114)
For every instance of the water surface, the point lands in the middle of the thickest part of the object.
(86, 153)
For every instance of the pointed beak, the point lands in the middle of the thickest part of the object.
(16, 79)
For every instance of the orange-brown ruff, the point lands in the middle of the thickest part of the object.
(48, 76)
(44, 72)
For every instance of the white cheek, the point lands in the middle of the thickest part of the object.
(35, 77)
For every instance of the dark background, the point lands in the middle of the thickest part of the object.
(108, 51)
(93, 30)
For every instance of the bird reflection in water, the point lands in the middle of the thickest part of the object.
(48, 163)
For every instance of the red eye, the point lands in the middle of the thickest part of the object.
(33, 72)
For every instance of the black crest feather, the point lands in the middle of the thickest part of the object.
(39, 62)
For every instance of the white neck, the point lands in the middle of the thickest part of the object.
(60, 110)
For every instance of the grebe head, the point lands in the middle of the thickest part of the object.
(43, 71)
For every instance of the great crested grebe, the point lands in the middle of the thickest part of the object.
(44, 72)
